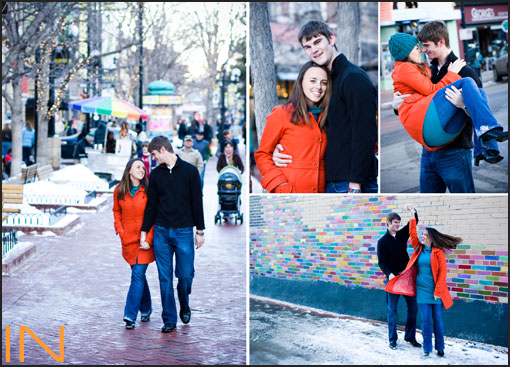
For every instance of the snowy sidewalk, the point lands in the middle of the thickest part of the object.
(287, 334)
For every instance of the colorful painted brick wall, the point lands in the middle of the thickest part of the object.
(334, 239)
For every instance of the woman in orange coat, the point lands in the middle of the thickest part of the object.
(429, 114)
(425, 277)
(300, 126)
(129, 199)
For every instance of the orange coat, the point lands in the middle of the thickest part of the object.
(128, 217)
(409, 79)
(405, 282)
(307, 147)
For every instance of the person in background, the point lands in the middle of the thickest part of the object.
(79, 150)
(129, 200)
(27, 142)
(149, 162)
(6, 138)
(229, 158)
(203, 148)
(110, 143)
(208, 131)
(190, 155)
(100, 133)
(141, 136)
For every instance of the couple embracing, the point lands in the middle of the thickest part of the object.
(324, 139)
(154, 220)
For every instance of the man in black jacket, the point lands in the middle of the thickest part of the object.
(174, 207)
(350, 161)
(393, 258)
(449, 167)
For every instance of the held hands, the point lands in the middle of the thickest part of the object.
(454, 96)
(398, 99)
(145, 245)
(457, 65)
(280, 159)
(409, 207)
(391, 276)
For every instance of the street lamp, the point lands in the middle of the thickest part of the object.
(234, 78)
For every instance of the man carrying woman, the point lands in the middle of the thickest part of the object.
(434, 111)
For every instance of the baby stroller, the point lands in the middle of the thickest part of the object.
(229, 195)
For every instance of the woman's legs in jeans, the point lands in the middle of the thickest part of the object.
(444, 121)
(432, 319)
(138, 297)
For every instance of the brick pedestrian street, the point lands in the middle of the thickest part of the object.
(80, 281)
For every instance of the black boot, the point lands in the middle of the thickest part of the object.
(491, 156)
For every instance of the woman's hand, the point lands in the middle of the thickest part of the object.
(398, 99)
(145, 245)
(457, 65)
(454, 96)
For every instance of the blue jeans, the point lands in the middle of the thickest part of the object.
(412, 310)
(446, 168)
(443, 121)
(166, 243)
(432, 317)
(342, 187)
(202, 175)
(139, 296)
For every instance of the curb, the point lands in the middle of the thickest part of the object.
(9, 266)
(57, 230)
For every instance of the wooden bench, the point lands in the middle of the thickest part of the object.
(29, 173)
(11, 194)
(44, 172)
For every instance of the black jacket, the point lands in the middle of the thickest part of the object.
(174, 197)
(352, 125)
(465, 138)
(392, 251)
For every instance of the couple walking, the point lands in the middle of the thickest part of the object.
(327, 131)
(154, 220)
(421, 279)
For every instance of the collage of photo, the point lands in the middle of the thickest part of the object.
(255, 183)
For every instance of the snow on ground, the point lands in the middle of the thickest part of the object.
(17, 250)
(282, 333)
(45, 188)
(25, 208)
(77, 172)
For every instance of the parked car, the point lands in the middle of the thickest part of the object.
(500, 68)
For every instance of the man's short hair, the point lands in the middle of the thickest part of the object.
(226, 132)
(434, 31)
(158, 142)
(314, 28)
(392, 216)
(145, 144)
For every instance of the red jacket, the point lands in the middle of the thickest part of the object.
(405, 282)
(307, 147)
(128, 217)
(409, 79)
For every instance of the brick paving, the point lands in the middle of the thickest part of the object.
(80, 281)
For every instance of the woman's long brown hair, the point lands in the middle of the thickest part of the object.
(422, 66)
(125, 184)
(298, 100)
(443, 241)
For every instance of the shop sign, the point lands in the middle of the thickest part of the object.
(483, 14)
(504, 25)
(465, 34)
